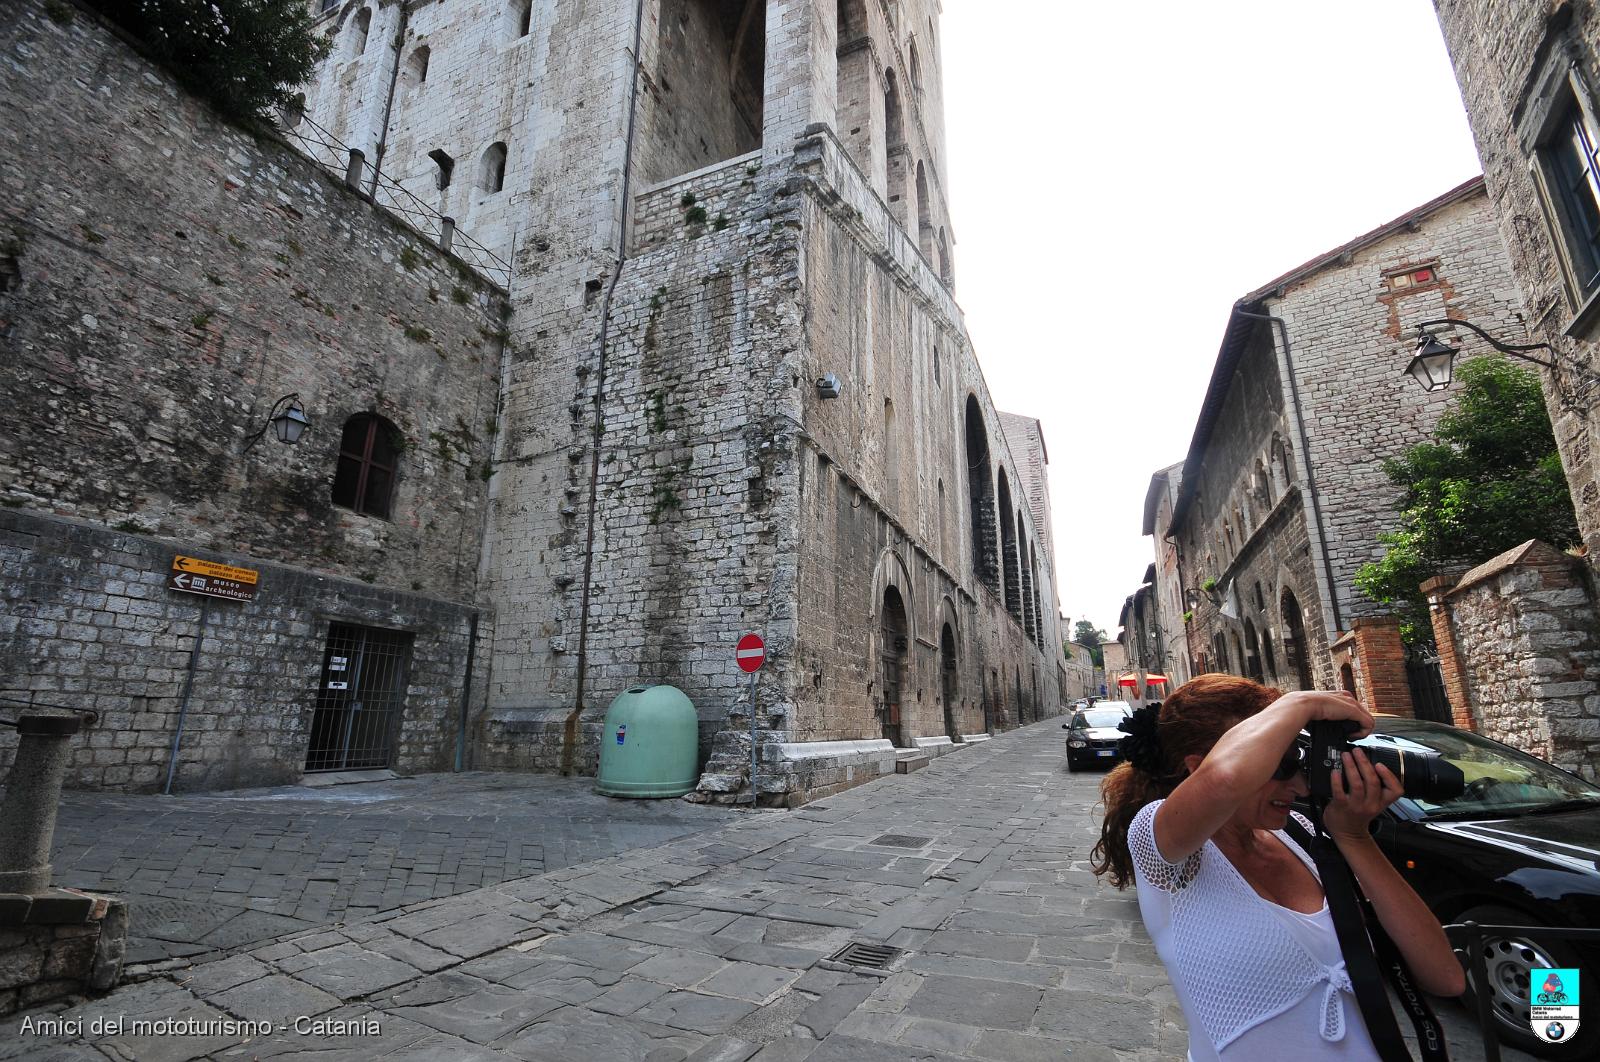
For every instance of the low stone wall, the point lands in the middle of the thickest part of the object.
(662, 212)
(58, 943)
(1526, 639)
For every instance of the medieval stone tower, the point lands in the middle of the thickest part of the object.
(710, 207)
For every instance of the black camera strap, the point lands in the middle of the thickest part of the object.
(1363, 952)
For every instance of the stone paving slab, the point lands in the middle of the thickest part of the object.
(214, 872)
(1012, 952)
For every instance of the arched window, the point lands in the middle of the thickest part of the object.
(946, 270)
(924, 214)
(1028, 622)
(446, 166)
(1296, 658)
(519, 18)
(492, 168)
(368, 453)
(891, 457)
(1008, 548)
(361, 25)
(980, 499)
(416, 70)
(915, 66)
(1261, 484)
(894, 126)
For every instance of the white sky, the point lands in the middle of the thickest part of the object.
(1120, 174)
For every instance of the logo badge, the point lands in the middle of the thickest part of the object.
(1553, 1004)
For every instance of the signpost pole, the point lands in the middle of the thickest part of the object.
(755, 781)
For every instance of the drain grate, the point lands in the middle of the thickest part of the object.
(900, 840)
(872, 956)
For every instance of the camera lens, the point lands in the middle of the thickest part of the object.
(1430, 778)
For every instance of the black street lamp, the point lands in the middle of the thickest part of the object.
(1433, 364)
(287, 420)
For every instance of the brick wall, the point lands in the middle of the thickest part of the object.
(1527, 643)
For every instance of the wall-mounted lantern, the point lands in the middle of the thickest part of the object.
(287, 420)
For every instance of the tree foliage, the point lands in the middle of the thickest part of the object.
(1089, 636)
(244, 56)
(1491, 479)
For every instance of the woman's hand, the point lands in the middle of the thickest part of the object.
(1316, 705)
(1367, 790)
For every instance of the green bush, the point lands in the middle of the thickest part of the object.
(244, 56)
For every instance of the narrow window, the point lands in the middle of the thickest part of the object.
(492, 170)
(915, 66)
(1570, 163)
(936, 381)
(363, 24)
(364, 479)
(417, 66)
(446, 164)
(519, 17)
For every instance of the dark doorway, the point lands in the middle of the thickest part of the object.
(1294, 641)
(892, 663)
(360, 699)
(949, 681)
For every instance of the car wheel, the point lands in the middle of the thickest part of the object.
(1509, 960)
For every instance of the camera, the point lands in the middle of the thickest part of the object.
(1423, 777)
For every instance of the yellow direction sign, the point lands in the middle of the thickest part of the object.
(196, 566)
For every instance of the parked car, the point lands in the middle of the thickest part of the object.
(1092, 734)
(1519, 847)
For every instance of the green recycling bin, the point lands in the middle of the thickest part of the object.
(651, 744)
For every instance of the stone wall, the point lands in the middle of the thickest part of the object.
(164, 295)
(1527, 640)
(87, 621)
(1518, 65)
(58, 943)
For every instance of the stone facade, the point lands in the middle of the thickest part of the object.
(1171, 655)
(756, 203)
(1524, 644)
(160, 297)
(1283, 493)
(1528, 75)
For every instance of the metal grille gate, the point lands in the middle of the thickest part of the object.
(360, 699)
(1428, 698)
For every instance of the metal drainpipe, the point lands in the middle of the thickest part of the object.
(1305, 455)
(569, 735)
(388, 104)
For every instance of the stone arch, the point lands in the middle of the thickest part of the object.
(415, 72)
(360, 28)
(492, 167)
(891, 457)
(1038, 608)
(946, 267)
(1024, 548)
(892, 572)
(914, 66)
(949, 679)
(894, 126)
(894, 122)
(925, 238)
(980, 499)
(1282, 466)
(1012, 582)
(1296, 651)
(1261, 486)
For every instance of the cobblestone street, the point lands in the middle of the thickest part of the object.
(205, 873)
(716, 946)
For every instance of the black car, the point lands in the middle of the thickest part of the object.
(1520, 847)
(1092, 734)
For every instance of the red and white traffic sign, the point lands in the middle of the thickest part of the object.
(750, 653)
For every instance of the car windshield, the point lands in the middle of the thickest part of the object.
(1500, 780)
(1097, 718)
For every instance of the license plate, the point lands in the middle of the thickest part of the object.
(1106, 752)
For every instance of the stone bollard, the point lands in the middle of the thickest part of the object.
(33, 793)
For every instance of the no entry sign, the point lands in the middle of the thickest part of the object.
(750, 653)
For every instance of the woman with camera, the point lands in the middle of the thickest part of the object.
(1195, 818)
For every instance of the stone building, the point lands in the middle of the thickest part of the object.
(1168, 598)
(161, 293)
(1528, 75)
(1283, 494)
(734, 391)
(739, 394)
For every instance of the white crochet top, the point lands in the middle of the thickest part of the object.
(1244, 968)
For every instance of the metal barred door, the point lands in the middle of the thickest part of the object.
(1428, 697)
(360, 699)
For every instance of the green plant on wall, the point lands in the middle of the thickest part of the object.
(244, 56)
